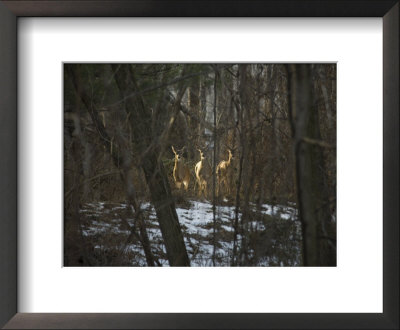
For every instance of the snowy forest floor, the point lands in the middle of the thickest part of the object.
(273, 235)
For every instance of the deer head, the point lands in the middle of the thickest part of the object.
(231, 155)
(202, 157)
(178, 154)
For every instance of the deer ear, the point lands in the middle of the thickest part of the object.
(173, 150)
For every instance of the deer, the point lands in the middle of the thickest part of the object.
(181, 172)
(224, 173)
(203, 173)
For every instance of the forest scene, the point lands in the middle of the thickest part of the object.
(204, 165)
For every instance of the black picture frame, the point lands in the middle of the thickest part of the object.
(9, 13)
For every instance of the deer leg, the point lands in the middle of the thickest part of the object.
(199, 187)
(186, 185)
(222, 188)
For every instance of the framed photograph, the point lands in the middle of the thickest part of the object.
(255, 142)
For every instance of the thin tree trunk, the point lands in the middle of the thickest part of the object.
(214, 164)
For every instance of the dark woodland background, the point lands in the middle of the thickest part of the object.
(273, 201)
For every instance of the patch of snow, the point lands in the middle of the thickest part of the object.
(197, 225)
(228, 228)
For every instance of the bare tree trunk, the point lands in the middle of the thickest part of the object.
(239, 121)
(245, 164)
(75, 202)
(194, 107)
(318, 249)
(156, 177)
(214, 164)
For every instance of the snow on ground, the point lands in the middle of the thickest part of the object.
(197, 225)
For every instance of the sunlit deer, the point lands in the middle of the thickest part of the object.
(203, 173)
(181, 171)
(224, 173)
